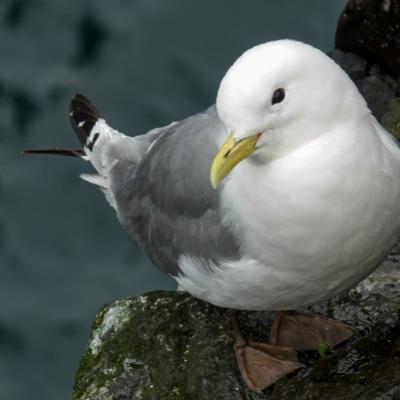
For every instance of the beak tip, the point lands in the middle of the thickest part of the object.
(229, 155)
(214, 183)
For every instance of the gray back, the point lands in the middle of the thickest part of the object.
(166, 202)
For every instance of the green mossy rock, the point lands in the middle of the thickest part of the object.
(391, 118)
(169, 345)
(162, 345)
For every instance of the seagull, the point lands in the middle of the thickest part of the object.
(282, 194)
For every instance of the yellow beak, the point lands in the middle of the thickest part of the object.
(229, 155)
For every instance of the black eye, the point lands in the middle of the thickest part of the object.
(278, 96)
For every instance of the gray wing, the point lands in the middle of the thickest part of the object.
(166, 201)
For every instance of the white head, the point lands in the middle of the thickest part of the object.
(288, 93)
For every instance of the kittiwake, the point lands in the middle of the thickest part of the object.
(284, 193)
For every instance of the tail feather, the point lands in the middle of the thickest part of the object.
(58, 152)
(83, 117)
(102, 145)
(95, 180)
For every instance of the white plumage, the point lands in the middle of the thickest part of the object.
(314, 209)
(316, 206)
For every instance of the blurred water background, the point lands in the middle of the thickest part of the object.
(144, 63)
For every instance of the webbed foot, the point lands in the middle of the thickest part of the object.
(262, 364)
(307, 331)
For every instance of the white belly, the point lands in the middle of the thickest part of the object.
(315, 226)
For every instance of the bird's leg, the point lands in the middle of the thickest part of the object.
(307, 331)
(261, 364)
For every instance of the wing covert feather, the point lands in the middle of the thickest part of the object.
(166, 202)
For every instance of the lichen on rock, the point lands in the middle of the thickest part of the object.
(169, 345)
(163, 345)
(112, 321)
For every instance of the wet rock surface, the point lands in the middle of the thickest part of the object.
(381, 91)
(368, 49)
(169, 345)
(371, 29)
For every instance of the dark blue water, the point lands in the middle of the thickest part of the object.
(144, 63)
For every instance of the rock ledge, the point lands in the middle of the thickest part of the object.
(169, 345)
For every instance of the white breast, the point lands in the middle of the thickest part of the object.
(312, 223)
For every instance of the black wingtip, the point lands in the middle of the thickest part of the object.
(58, 152)
(83, 116)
